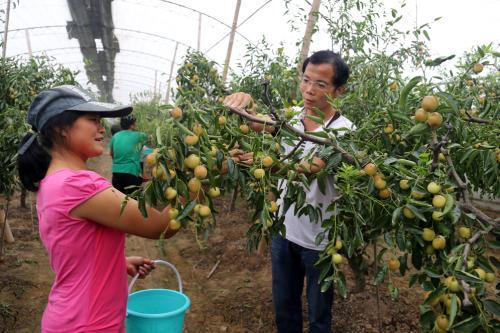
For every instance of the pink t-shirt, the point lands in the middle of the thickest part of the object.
(89, 293)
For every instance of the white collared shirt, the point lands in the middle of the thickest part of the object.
(300, 230)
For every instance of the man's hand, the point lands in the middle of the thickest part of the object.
(315, 166)
(235, 154)
(246, 158)
(240, 100)
(140, 265)
(243, 100)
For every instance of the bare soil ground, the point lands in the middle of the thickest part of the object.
(235, 298)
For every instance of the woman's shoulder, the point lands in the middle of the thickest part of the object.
(77, 178)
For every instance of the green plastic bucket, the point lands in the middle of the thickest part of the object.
(156, 310)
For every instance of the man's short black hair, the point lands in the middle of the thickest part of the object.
(340, 68)
(127, 122)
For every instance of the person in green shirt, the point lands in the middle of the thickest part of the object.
(125, 149)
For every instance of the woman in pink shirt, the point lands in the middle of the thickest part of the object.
(79, 213)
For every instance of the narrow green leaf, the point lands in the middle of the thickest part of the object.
(158, 135)
(453, 309)
(450, 202)
(433, 274)
(417, 212)
(187, 209)
(382, 273)
(317, 120)
(467, 277)
(492, 307)
(494, 244)
(438, 61)
(341, 282)
(417, 129)
(495, 261)
(468, 325)
(403, 98)
(396, 215)
(484, 264)
(319, 134)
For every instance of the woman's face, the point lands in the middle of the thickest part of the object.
(86, 136)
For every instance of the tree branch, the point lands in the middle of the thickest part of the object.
(242, 113)
(472, 119)
(467, 248)
(469, 208)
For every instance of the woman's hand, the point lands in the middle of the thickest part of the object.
(140, 265)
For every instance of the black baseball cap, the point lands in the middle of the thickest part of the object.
(54, 101)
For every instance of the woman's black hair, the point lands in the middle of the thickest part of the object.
(34, 162)
(126, 122)
(115, 128)
(340, 68)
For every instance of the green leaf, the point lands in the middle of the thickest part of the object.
(495, 261)
(319, 134)
(413, 280)
(417, 212)
(400, 239)
(468, 325)
(443, 229)
(492, 307)
(230, 167)
(382, 273)
(436, 293)
(467, 277)
(406, 162)
(399, 116)
(484, 264)
(432, 274)
(187, 209)
(427, 316)
(396, 214)
(439, 60)
(317, 120)
(450, 99)
(426, 34)
(450, 201)
(417, 129)
(394, 291)
(158, 135)
(494, 244)
(455, 215)
(453, 309)
(341, 283)
(403, 98)
(416, 256)
(142, 207)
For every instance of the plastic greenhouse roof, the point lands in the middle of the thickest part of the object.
(147, 31)
(146, 35)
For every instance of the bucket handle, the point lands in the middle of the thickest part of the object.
(156, 262)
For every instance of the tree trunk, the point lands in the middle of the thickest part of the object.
(6, 234)
(311, 22)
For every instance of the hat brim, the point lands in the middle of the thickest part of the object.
(105, 110)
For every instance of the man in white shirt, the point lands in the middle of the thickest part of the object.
(324, 75)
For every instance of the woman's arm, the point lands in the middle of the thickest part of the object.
(104, 208)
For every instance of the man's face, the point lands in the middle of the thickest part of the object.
(316, 87)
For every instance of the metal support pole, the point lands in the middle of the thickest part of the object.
(231, 39)
(28, 42)
(6, 29)
(199, 33)
(167, 96)
(156, 83)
